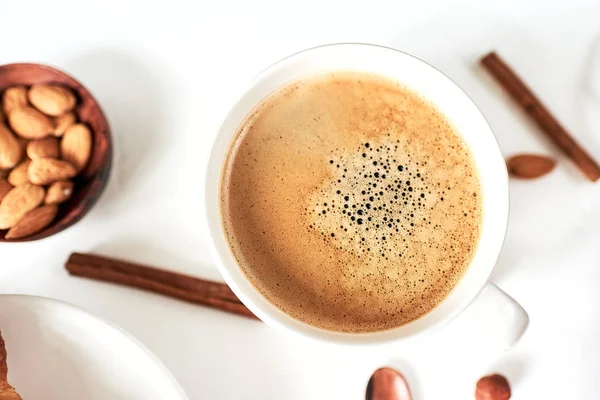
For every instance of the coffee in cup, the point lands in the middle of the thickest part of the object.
(350, 202)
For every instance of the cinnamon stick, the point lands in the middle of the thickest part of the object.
(172, 284)
(541, 115)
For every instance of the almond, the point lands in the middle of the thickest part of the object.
(76, 145)
(44, 171)
(530, 166)
(18, 202)
(62, 122)
(19, 175)
(52, 100)
(14, 97)
(43, 148)
(11, 151)
(5, 187)
(33, 222)
(492, 387)
(59, 192)
(29, 123)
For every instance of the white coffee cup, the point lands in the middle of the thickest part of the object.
(470, 123)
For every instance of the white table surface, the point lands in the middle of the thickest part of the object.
(167, 72)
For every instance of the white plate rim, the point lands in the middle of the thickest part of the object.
(33, 299)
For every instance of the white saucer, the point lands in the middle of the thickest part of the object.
(59, 352)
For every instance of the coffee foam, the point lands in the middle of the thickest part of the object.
(350, 203)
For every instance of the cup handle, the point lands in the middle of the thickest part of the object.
(504, 318)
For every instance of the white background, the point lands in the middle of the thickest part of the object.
(166, 74)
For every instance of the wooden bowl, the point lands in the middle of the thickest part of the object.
(90, 183)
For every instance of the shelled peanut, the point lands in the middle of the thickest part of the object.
(42, 148)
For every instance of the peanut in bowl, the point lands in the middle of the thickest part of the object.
(55, 152)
